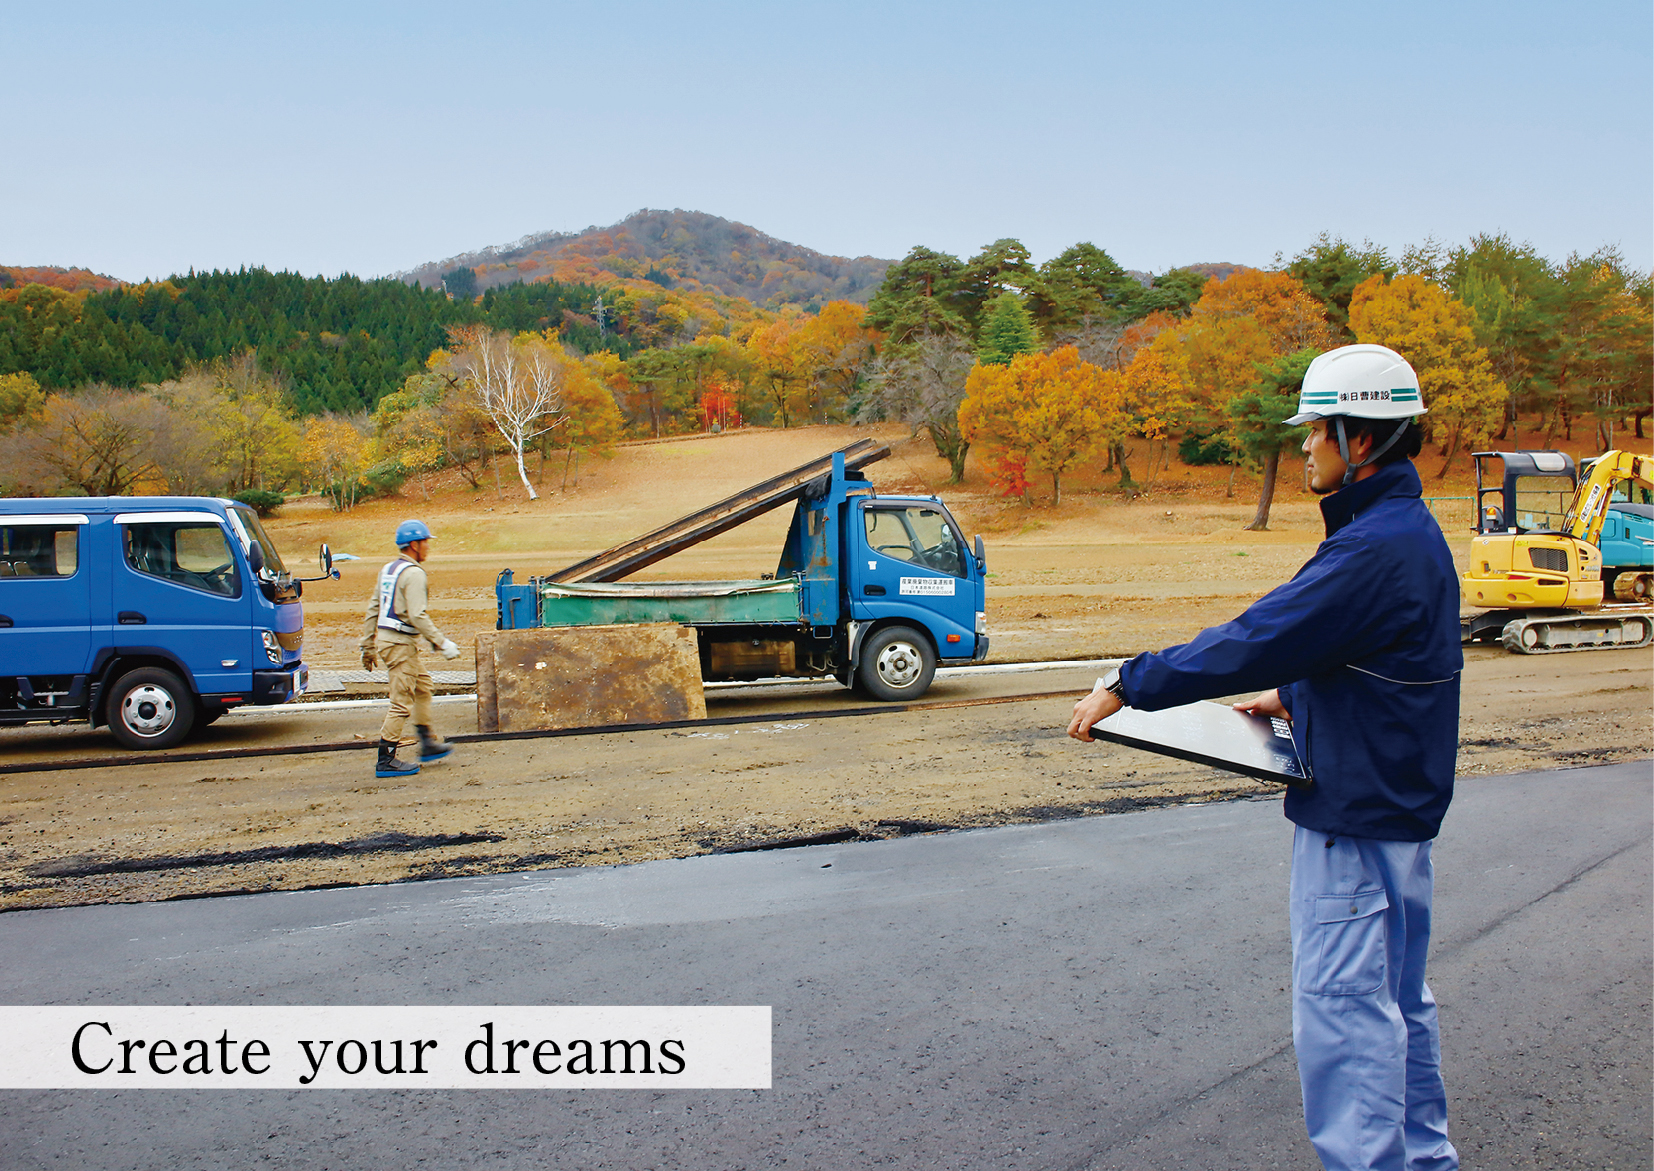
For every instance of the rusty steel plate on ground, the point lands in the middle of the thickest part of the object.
(588, 676)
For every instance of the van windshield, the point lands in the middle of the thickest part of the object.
(250, 525)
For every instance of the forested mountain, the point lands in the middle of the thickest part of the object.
(676, 249)
(338, 344)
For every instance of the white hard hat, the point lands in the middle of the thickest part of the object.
(1363, 382)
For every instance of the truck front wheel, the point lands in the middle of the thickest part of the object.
(896, 664)
(150, 708)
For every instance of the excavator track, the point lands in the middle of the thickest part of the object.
(1603, 630)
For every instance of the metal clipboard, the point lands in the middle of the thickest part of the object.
(1213, 734)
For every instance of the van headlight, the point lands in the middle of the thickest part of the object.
(272, 648)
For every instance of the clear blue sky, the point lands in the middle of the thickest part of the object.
(143, 139)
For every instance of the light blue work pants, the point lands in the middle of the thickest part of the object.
(1363, 1019)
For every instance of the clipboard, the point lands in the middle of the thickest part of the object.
(1215, 734)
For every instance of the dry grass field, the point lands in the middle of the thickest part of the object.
(1103, 574)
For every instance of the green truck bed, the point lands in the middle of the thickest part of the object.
(692, 603)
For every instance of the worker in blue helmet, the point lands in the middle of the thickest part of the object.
(1360, 652)
(395, 624)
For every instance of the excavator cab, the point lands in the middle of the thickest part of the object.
(1523, 491)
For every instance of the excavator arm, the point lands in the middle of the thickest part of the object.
(1596, 490)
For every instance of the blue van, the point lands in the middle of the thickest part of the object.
(154, 615)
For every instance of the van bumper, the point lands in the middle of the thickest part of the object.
(280, 686)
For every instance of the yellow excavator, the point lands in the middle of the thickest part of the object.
(1535, 564)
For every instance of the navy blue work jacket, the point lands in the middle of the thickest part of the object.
(1363, 644)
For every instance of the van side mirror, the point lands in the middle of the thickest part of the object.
(255, 557)
(981, 555)
(324, 557)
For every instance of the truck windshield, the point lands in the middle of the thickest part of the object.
(920, 534)
(249, 525)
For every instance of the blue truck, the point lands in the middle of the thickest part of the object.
(152, 615)
(874, 590)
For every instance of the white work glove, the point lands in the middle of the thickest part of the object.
(448, 649)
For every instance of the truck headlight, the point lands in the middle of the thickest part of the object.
(982, 622)
(272, 648)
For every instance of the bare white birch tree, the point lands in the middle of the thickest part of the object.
(518, 382)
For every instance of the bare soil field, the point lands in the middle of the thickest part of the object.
(1103, 576)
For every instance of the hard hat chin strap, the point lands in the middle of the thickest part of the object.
(1344, 448)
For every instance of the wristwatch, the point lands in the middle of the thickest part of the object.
(1111, 684)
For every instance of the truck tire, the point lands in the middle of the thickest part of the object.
(150, 708)
(896, 664)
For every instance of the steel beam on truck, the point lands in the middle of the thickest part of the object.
(631, 556)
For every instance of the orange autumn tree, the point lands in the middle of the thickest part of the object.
(835, 345)
(592, 424)
(1240, 324)
(1435, 332)
(782, 366)
(1045, 412)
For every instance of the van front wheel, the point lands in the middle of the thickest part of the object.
(150, 708)
(896, 664)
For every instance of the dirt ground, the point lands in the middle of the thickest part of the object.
(1100, 577)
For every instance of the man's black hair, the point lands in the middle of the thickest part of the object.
(1407, 447)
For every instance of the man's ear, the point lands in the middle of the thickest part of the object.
(1361, 446)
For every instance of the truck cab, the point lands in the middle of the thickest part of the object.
(888, 582)
(153, 615)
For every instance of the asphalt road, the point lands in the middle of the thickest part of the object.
(1101, 993)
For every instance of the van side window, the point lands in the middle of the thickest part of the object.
(188, 554)
(39, 551)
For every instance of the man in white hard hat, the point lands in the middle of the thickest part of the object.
(396, 620)
(1360, 650)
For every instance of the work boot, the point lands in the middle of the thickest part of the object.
(430, 748)
(389, 766)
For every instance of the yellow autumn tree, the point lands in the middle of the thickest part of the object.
(591, 422)
(835, 345)
(1046, 412)
(1158, 401)
(334, 455)
(21, 400)
(1435, 332)
(782, 367)
(261, 438)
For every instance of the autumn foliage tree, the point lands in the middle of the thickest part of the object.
(517, 381)
(1045, 412)
(334, 453)
(1436, 334)
(99, 442)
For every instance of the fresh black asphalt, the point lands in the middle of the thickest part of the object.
(1102, 993)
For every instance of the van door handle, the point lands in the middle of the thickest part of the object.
(873, 591)
(4, 621)
(132, 618)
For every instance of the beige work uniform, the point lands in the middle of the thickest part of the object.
(399, 651)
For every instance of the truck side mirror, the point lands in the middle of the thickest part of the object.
(981, 555)
(255, 557)
(324, 556)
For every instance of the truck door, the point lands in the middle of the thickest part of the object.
(45, 601)
(178, 587)
(912, 563)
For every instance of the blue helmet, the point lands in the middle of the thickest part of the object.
(410, 531)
